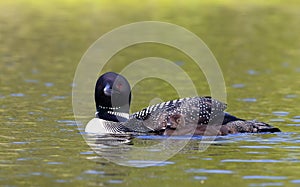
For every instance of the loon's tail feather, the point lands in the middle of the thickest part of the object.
(263, 127)
(253, 126)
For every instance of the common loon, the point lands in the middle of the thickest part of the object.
(193, 115)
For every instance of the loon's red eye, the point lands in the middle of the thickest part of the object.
(119, 86)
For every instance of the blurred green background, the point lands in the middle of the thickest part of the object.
(246, 36)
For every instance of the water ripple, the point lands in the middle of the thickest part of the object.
(252, 72)
(264, 177)
(297, 181)
(200, 177)
(277, 120)
(20, 143)
(87, 153)
(255, 152)
(54, 163)
(254, 160)
(290, 147)
(61, 181)
(238, 85)
(249, 100)
(141, 163)
(291, 96)
(216, 171)
(115, 181)
(256, 146)
(280, 113)
(17, 94)
(268, 184)
(94, 172)
(31, 81)
(59, 97)
(293, 125)
(48, 84)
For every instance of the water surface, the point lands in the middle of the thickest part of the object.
(256, 44)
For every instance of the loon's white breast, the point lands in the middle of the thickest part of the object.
(100, 126)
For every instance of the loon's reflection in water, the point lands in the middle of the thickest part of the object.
(145, 150)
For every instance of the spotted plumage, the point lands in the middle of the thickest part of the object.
(206, 108)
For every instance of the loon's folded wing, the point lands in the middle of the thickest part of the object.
(206, 108)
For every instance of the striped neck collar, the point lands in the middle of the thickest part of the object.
(119, 114)
(108, 108)
(112, 114)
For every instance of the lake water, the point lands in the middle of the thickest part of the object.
(256, 44)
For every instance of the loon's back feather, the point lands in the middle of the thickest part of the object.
(206, 108)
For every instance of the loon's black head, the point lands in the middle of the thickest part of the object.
(112, 97)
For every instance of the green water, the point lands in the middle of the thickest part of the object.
(256, 44)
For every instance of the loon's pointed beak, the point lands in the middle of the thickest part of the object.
(107, 90)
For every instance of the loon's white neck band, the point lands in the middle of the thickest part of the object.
(120, 114)
(109, 108)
